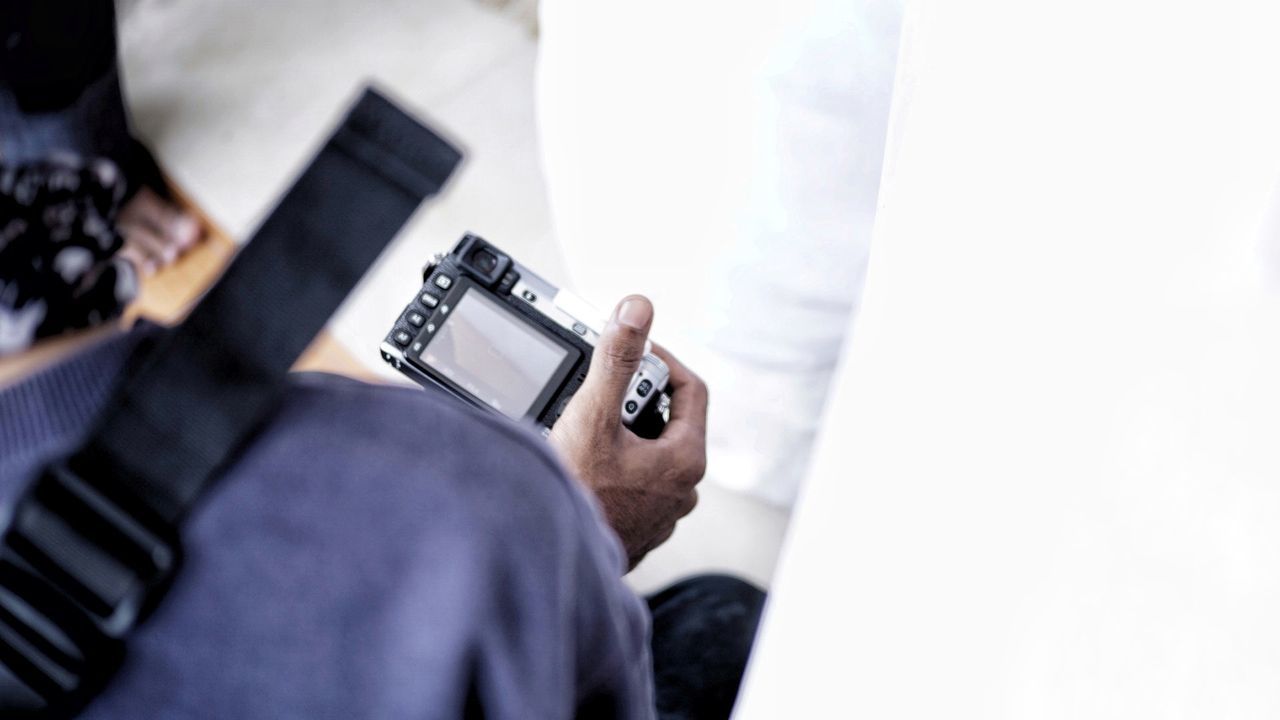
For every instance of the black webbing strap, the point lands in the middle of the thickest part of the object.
(93, 543)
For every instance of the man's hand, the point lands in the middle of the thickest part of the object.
(645, 486)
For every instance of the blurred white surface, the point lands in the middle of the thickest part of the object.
(724, 158)
(1048, 484)
(235, 96)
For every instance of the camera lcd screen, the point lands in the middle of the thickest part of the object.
(483, 349)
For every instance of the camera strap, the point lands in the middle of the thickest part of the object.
(93, 543)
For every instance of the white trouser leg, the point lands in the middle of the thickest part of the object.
(726, 162)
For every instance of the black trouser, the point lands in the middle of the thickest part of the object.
(60, 88)
(703, 628)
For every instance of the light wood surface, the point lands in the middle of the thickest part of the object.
(167, 296)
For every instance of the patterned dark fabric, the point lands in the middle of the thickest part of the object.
(58, 242)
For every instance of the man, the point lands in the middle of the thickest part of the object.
(384, 552)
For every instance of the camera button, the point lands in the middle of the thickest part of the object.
(444, 282)
(416, 319)
(429, 300)
(643, 388)
(508, 281)
(580, 328)
(401, 337)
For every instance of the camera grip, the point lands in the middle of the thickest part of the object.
(653, 418)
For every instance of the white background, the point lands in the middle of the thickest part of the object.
(1049, 485)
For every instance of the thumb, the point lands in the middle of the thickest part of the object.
(617, 356)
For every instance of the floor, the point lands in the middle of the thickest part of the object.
(234, 96)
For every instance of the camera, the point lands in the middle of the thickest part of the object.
(486, 329)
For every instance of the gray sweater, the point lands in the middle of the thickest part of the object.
(376, 553)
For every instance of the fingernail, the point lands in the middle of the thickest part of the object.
(185, 229)
(635, 313)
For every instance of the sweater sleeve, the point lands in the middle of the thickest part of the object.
(512, 605)
(615, 670)
(559, 614)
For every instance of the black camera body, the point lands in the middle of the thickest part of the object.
(490, 331)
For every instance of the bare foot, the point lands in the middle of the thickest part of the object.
(155, 231)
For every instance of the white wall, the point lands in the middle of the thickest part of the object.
(1048, 484)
